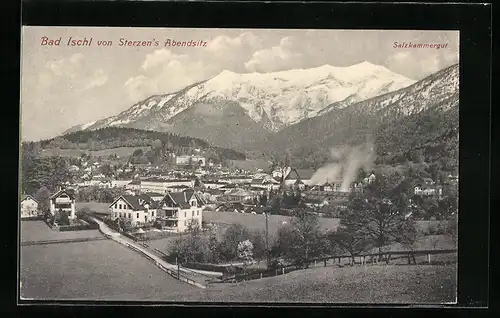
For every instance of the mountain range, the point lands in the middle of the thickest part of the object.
(410, 118)
(259, 104)
(308, 111)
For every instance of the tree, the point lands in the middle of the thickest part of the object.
(452, 230)
(63, 218)
(213, 246)
(245, 251)
(42, 196)
(408, 236)
(351, 241)
(258, 239)
(307, 226)
(301, 239)
(376, 213)
(107, 170)
(448, 207)
(137, 153)
(191, 248)
(233, 235)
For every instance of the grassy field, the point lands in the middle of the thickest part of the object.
(98, 270)
(123, 152)
(258, 221)
(358, 284)
(39, 231)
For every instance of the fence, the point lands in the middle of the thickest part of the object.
(257, 275)
(75, 240)
(381, 256)
(362, 260)
(32, 218)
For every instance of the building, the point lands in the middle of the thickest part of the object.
(63, 201)
(239, 195)
(155, 196)
(134, 185)
(178, 209)
(29, 207)
(210, 184)
(139, 209)
(295, 176)
(236, 179)
(427, 187)
(271, 184)
(163, 185)
(120, 183)
(190, 160)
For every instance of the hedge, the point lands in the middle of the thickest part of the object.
(33, 218)
(66, 228)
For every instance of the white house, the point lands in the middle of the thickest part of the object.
(178, 209)
(139, 209)
(29, 207)
(74, 168)
(163, 185)
(427, 187)
(63, 201)
(211, 184)
(134, 185)
(193, 160)
(120, 183)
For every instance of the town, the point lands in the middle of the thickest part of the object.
(181, 176)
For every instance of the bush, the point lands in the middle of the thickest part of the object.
(79, 227)
(63, 219)
(432, 229)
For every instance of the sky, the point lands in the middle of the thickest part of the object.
(63, 86)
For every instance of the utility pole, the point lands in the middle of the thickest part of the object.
(267, 240)
(178, 269)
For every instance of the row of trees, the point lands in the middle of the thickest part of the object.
(36, 172)
(96, 194)
(160, 143)
(202, 247)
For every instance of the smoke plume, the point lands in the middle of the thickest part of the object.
(345, 164)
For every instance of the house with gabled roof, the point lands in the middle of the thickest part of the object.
(29, 206)
(63, 201)
(178, 209)
(299, 176)
(427, 187)
(138, 209)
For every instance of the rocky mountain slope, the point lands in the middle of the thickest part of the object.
(398, 121)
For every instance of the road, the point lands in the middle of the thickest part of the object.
(108, 232)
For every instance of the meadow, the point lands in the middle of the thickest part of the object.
(429, 284)
(39, 231)
(258, 221)
(97, 270)
(94, 206)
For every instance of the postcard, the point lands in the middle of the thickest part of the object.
(239, 165)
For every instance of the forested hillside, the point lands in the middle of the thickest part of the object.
(114, 137)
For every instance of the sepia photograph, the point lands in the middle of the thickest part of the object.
(178, 165)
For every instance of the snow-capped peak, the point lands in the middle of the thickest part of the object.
(285, 97)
